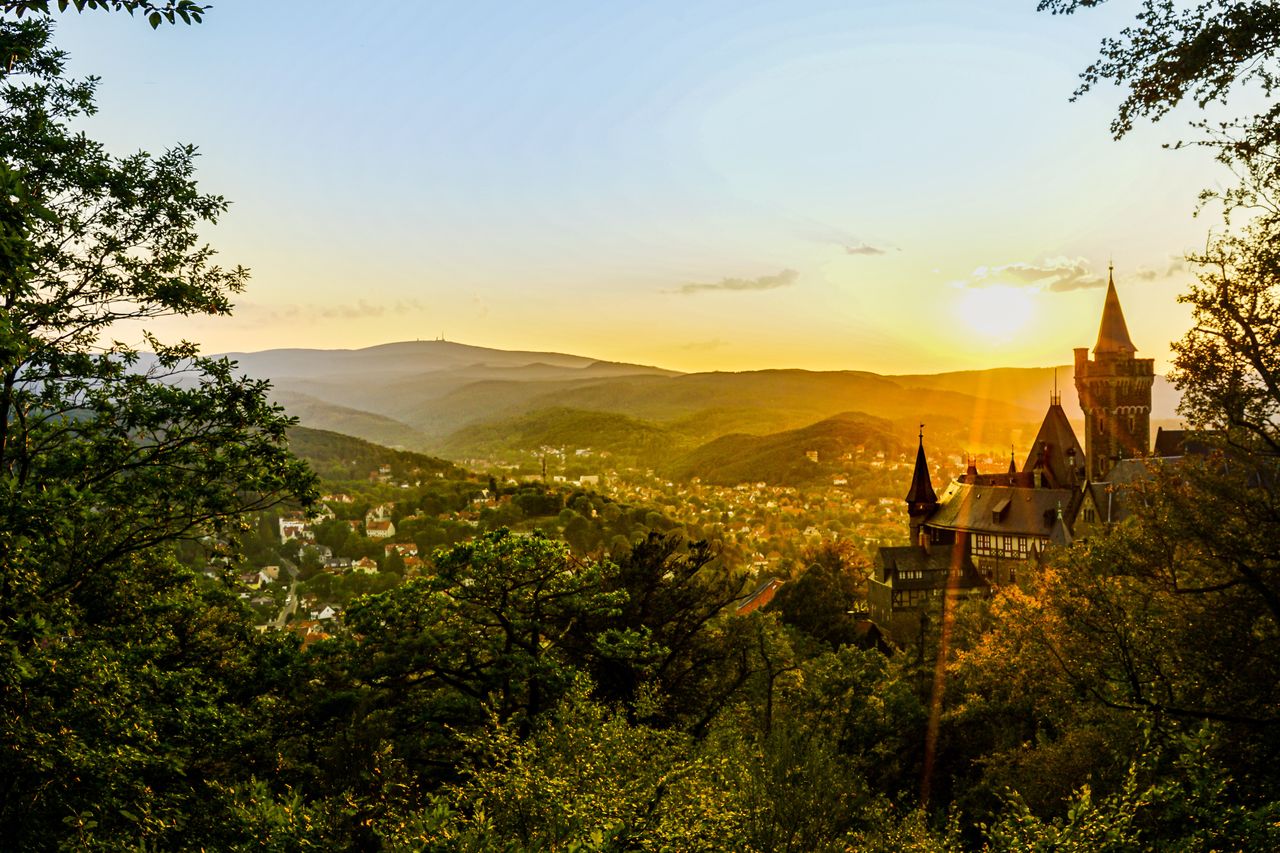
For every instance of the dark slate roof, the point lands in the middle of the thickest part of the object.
(1110, 501)
(1029, 512)
(1053, 441)
(1113, 334)
(921, 486)
(1179, 442)
(1060, 535)
(1128, 471)
(1115, 495)
(933, 565)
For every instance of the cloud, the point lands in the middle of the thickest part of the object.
(821, 232)
(785, 278)
(1056, 275)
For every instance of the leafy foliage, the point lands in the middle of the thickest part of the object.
(118, 668)
(188, 11)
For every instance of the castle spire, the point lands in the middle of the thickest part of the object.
(1113, 334)
(921, 499)
(921, 486)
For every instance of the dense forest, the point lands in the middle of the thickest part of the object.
(520, 694)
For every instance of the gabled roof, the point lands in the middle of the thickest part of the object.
(898, 566)
(1056, 441)
(1113, 334)
(921, 486)
(1028, 512)
(1180, 442)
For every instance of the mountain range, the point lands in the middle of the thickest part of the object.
(463, 401)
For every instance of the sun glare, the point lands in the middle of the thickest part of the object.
(1000, 313)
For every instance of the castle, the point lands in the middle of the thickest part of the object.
(986, 529)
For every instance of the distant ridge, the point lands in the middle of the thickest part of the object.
(410, 357)
(463, 400)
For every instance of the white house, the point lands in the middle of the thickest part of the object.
(379, 529)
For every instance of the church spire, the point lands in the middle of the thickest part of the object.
(921, 486)
(1113, 334)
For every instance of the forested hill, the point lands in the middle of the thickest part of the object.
(335, 456)
(560, 427)
(783, 459)
(321, 415)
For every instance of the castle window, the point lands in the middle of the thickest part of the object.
(1089, 515)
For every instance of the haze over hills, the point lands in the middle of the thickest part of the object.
(465, 402)
(1030, 388)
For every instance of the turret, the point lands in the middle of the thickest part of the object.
(921, 499)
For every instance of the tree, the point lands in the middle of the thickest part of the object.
(125, 685)
(188, 11)
(1200, 52)
(1228, 365)
(483, 633)
(587, 778)
(673, 593)
(820, 599)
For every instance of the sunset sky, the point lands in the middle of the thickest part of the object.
(888, 186)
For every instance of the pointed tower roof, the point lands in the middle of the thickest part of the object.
(1056, 447)
(1060, 535)
(1013, 466)
(921, 486)
(1113, 334)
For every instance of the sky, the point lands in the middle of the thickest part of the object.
(889, 186)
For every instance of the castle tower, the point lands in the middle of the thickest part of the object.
(921, 499)
(1115, 392)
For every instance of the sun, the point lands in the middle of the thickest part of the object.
(998, 313)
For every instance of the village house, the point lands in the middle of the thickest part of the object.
(379, 529)
(404, 549)
(381, 512)
(294, 525)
